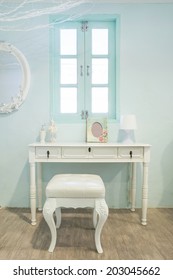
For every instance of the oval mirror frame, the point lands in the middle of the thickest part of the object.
(17, 101)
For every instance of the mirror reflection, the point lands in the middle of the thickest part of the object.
(10, 77)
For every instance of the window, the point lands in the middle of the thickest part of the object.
(83, 70)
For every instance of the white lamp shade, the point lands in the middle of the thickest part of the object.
(128, 122)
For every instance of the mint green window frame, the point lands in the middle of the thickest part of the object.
(84, 58)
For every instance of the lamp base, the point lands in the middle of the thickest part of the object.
(128, 137)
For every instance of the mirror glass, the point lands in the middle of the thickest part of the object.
(10, 76)
(14, 78)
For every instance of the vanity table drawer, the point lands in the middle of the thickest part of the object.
(130, 152)
(48, 152)
(103, 152)
(74, 152)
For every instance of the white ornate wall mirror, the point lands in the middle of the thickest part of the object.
(14, 78)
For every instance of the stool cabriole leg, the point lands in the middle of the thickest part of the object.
(102, 210)
(48, 210)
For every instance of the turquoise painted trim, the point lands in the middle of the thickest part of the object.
(51, 83)
(117, 68)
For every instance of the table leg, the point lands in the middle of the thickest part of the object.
(39, 185)
(145, 193)
(32, 193)
(133, 186)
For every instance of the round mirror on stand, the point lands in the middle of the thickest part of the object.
(14, 78)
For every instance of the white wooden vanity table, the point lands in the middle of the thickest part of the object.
(88, 152)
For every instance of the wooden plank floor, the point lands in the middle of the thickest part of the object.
(123, 237)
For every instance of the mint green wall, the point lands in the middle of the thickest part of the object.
(145, 89)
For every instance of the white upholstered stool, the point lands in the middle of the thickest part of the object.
(75, 191)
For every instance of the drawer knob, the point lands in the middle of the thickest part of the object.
(48, 153)
(89, 149)
(131, 154)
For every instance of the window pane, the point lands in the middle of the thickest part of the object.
(99, 41)
(68, 100)
(68, 71)
(99, 100)
(68, 41)
(100, 71)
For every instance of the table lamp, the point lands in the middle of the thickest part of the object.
(128, 124)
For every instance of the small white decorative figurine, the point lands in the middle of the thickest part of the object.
(52, 130)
